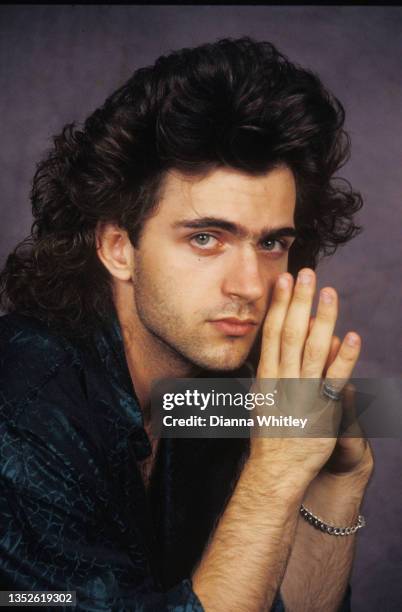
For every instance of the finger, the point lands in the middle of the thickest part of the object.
(295, 327)
(318, 343)
(341, 368)
(350, 426)
(352, 444)
(271, 333)
(333, 351)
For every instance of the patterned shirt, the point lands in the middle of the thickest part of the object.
(74, 512)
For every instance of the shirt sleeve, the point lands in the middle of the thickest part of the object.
(53, 535)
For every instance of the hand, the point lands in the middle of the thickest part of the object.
(352, 453)
(296, 347)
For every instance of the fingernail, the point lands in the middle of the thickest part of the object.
(305, 278)
(283, 282)
(352, 339)
(327, 297)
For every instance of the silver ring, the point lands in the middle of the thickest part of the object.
(331, 392)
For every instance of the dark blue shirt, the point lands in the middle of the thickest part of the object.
(74, 512)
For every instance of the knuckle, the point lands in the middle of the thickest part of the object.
(326, 315)
(314, 352)
(341, 368)
(290, 335)
(266, 370)
(311, 370)
(271, 332)
(302, 296)
(348, 356)
(281, 297)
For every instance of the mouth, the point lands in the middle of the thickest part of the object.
(232, 326)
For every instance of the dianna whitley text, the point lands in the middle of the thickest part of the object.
(220, 421)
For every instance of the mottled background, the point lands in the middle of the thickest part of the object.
(59, 63)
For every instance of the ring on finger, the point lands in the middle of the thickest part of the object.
(331, 392)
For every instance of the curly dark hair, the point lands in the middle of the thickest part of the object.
(234, 103)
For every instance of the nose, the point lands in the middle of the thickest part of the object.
(243, 276)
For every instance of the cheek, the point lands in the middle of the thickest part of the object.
(274, 267)
(284, 264)
(190, 272)
(271, 271)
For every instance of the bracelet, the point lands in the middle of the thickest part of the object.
(330, 529)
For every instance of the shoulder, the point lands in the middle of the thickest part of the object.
(46, 448)
(30, 356)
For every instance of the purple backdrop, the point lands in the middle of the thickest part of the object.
(59, 63)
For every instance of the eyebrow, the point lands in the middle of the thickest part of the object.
(234, 228)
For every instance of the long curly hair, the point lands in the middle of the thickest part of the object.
(234, 103)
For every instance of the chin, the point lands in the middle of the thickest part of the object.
(221, 363)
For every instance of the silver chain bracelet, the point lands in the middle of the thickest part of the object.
(330, 529)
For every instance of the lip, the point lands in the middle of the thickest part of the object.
(234, 327)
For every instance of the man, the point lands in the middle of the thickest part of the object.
(174, 234)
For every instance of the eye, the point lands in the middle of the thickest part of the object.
(278, 246)
(204, 240)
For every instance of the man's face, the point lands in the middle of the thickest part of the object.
(207, 260)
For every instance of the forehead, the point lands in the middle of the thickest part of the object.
(254, 201)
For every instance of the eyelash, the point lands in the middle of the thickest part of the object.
(283, 243)
(203, 234)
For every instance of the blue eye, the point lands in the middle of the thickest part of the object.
(204, 240)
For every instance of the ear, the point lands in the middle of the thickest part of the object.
(115, 250)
